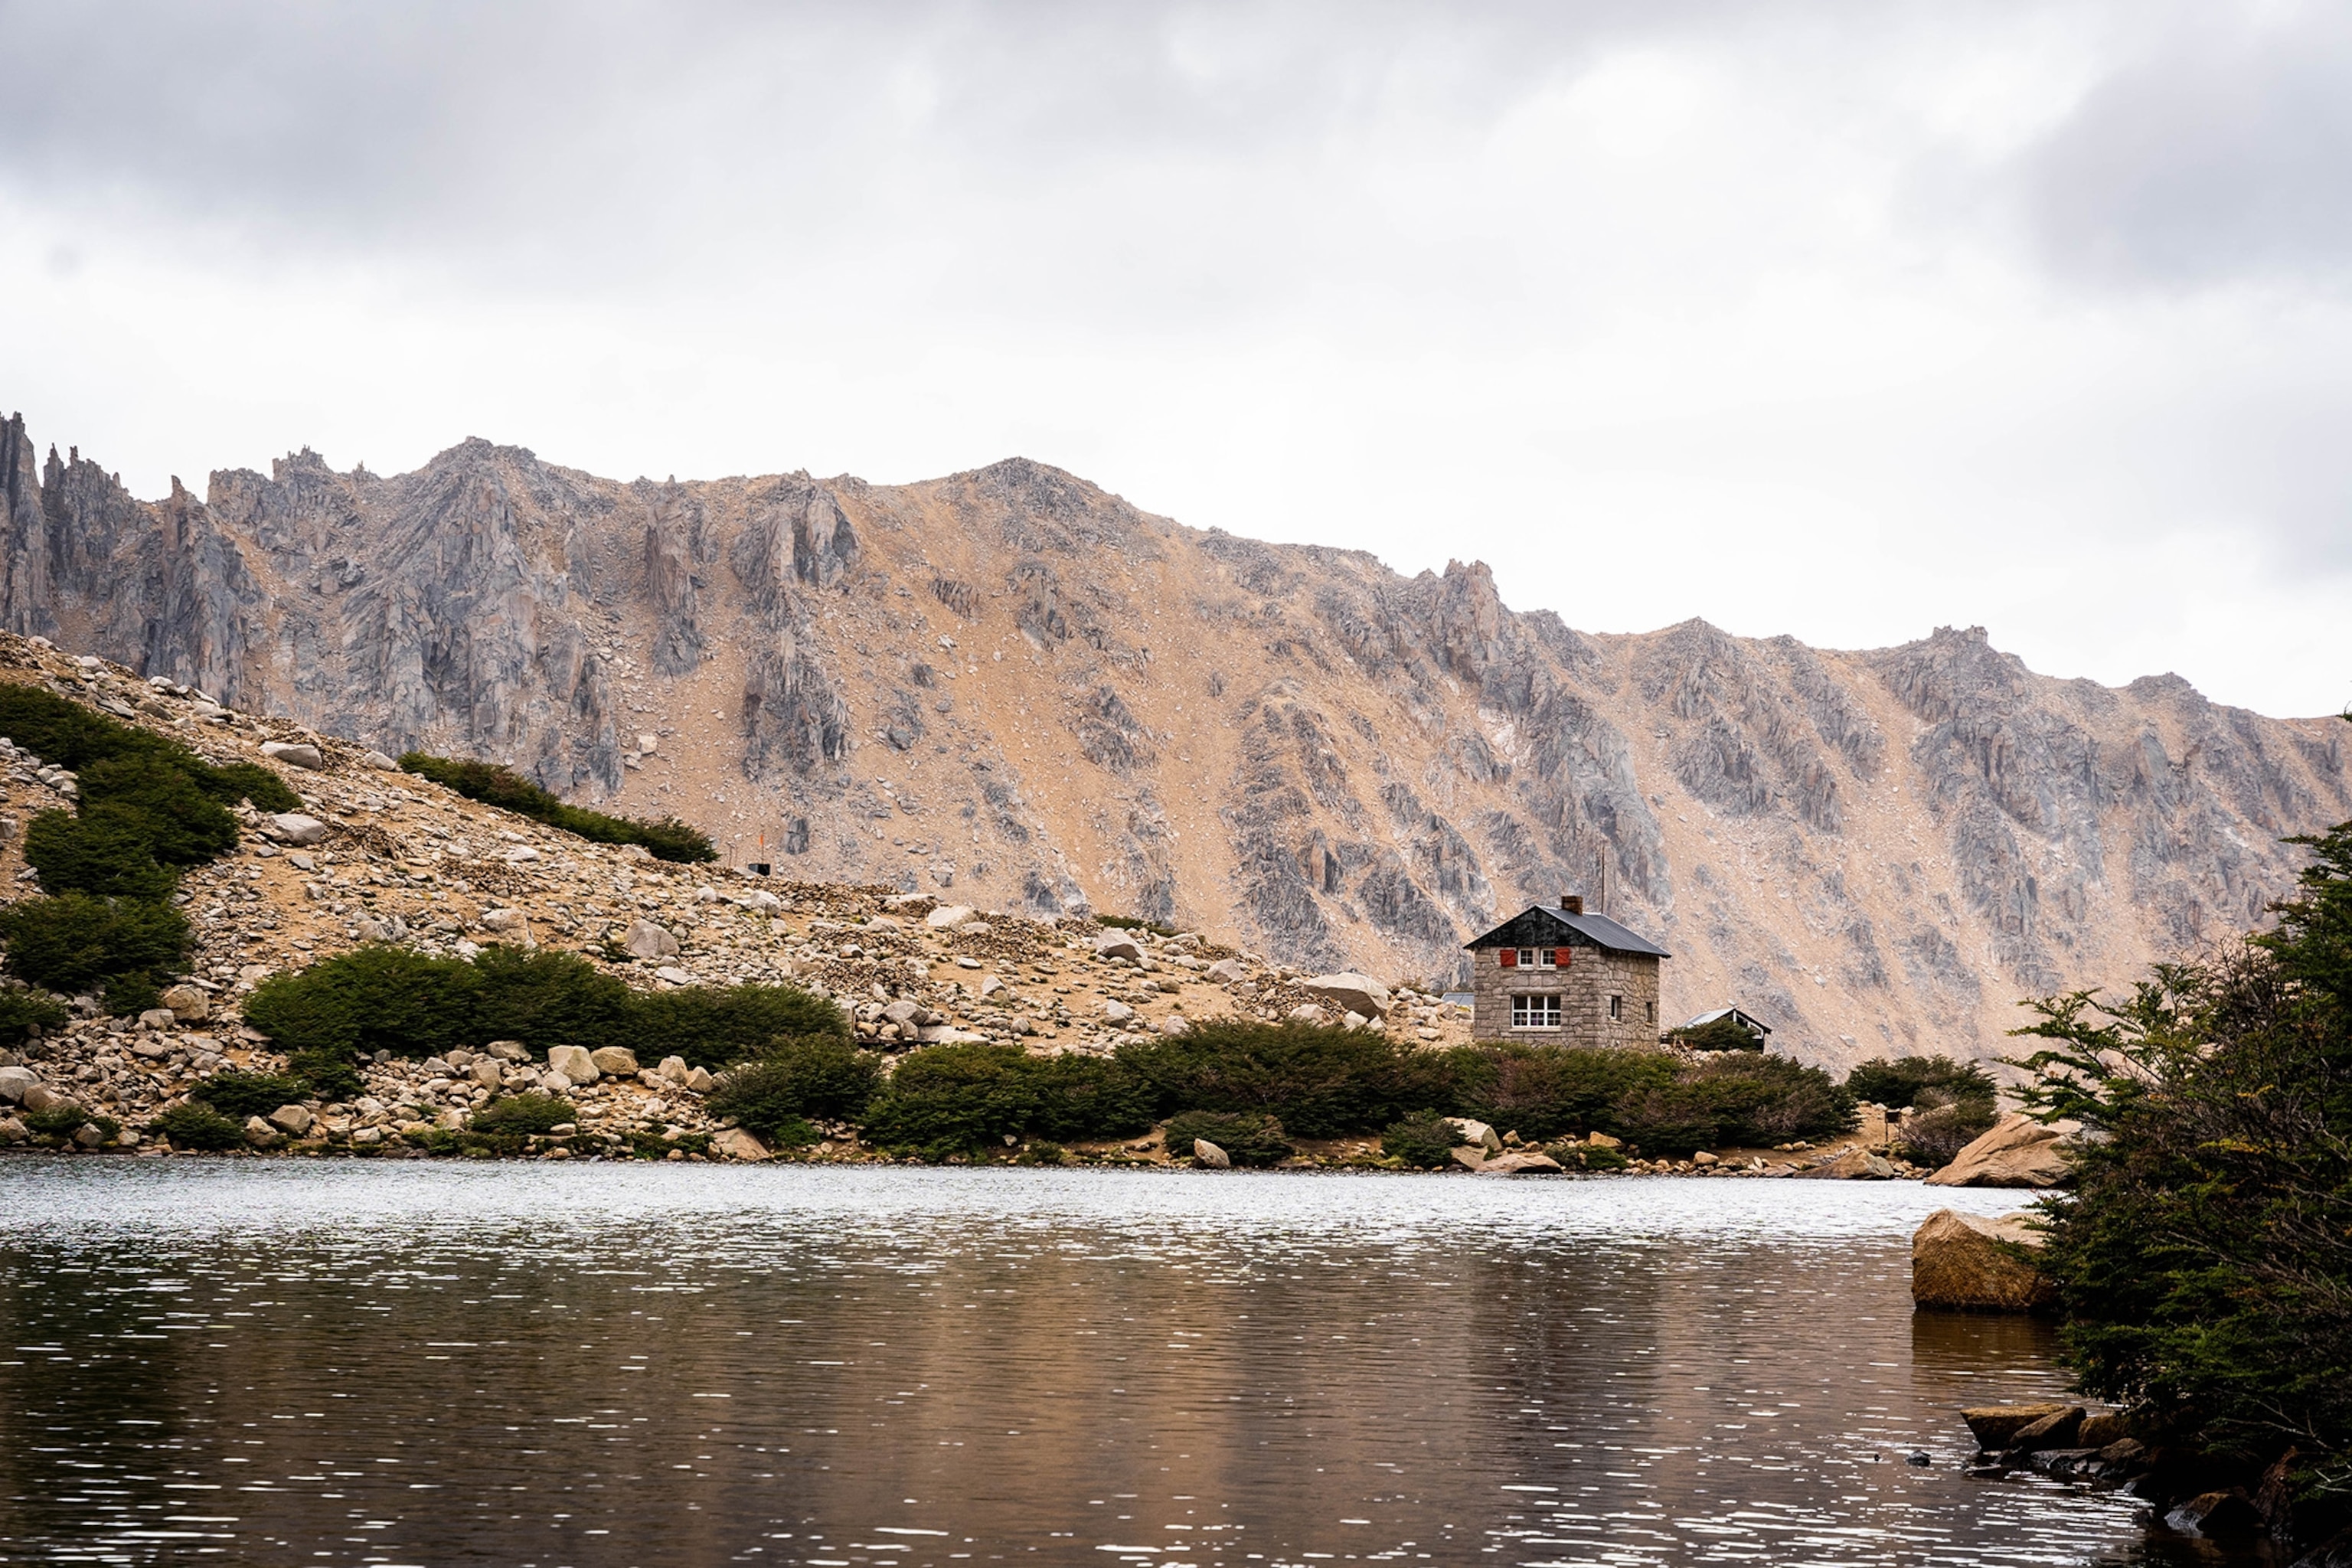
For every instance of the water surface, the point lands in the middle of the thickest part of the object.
(343, 1363)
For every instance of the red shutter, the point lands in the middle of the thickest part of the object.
(1559, 956)
(1510, 957)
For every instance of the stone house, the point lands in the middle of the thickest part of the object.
(1554, 975)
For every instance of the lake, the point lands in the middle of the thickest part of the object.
(543, 1364)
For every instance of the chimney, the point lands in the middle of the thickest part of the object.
(1572, 903)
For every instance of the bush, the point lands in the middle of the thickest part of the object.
(954, 1099)
(1247, 1138)
(1587, 1157)
(1901, 1082)
(546, 998)
(329, 1074)
(162, 801)
(194, 1127)
(1544, 1092)
(95, 854)
(1935, 1136)
(56, 1121)
(74, 942)
(1088, 1098)
(522, 1115)
(1733, 1099)
(241, 1094)
(1426, 1141)
(1724, 1034)
(712, 1027)
(668, 839)
(249, 782)
(813, 1074)
(378, 998)
(2204, 1260)
(24, 1011)
(1318, 1082)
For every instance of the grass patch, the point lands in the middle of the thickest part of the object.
(667, 839)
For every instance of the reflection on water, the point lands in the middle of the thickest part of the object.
(591, 1365)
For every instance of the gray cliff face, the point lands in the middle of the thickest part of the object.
(1012, 684)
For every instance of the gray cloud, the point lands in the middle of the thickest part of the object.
(2222, 152)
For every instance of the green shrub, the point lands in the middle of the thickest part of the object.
(668, 839)
(26, 1010)
(1544, 1092)
(956, 1098)
(812, 1075)
(69, 735)
(378, 998)
(239, 1093)
(1088, 1098)
(161, 801)
(712, 1027)
(1734, 1098)
(56, 1121)
(128, 995)
(1425, 1142)
(74, 942)
(1587, 1157)
(1724, 1034)
(1318, 1082)
(546, 998)
(232, 783)
(329, 1074)
(194, 1127)
(1898, 1084)
(1934, 1137)
(96, 852)
(524, 1114)
(1248, 1138)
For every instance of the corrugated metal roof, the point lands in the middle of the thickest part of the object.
(1600, 930)
(1706, 1018)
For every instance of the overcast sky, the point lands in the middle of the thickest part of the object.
(1845, 320)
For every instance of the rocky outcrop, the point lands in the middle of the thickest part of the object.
(2018, 1153)
(1014, 685)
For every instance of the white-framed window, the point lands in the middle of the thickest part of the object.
(1535, 1012)
(1616, 1008)
(1539, 958)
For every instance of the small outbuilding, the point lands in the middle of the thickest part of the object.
(1724, 1029)
(1554, 975)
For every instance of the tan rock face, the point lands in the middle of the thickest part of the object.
(1958, 1260)
(1014, 685)
(2018, 1153)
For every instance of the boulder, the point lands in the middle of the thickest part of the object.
(2018, 1153)
(573, 1063)
(552, 1082)
(1227, 970)
(1118, 944)
(1854, 1165)
(737, 1144)
(2104, 1429)
(647, 940)
(674, 974)
(1118, 1012)
(41, 1097)
(1175, 1023)
(2055, 1430)
(87, 1135)
(699, 1080)
(1963, 1261)
(948, 916)
(486, 1072)
(1703, 1159)
(1519, 1163)
(292, 1119)
(259, 1133)
(1470, 1156)
(508, 1050)
(1308, 1013)
(294, 753)
(1209, 1157)
(293, 827)
(379, 761)
(189, 1004)
(12, 1131)
(1350, 992)
(14, 1082)
(1476, 1133)
(2212, 1514)
(619, 1060)
(903, 1012)
(672, 1069)
(158, 1018)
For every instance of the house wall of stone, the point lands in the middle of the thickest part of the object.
(1584, 987)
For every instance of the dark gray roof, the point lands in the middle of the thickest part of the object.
(1599, 930)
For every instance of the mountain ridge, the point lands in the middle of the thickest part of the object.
(1009, 682)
